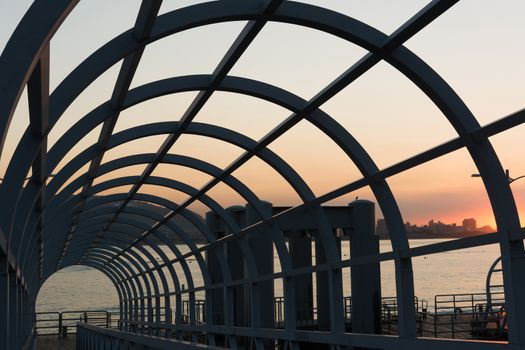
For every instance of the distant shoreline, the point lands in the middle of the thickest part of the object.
(438, 235)
(411, 236)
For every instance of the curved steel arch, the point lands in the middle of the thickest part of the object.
(143, 272)
(225, 271)
(287, 100)
(186, 214)
(167, 204)
(157, 250)
(141, 226)
(224, 134)
(329, 254)
(212, 132)
(208, 202)
(381, 47)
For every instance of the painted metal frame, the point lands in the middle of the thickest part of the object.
(48, 227)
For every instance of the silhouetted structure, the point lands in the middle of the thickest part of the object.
(45, 227)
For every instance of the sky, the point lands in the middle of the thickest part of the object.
(475, 46)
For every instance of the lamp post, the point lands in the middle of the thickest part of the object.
(509, 179)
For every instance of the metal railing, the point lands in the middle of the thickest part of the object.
(307, 315)
(63, 323)
(456, 316)
(89, 336)
(489, 325)
(200, 311)
(467, 302)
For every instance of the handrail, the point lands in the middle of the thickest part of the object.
(59, 322)
(86, 334)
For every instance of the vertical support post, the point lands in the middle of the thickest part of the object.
(4, 301)
(27, 315)
(323, 284)
(20, 316)
(142, 313)
(60, 334)
(216, 295)
(300, 247)
(262, 248)
(38, 102)
(32, 315)
(150, 313)
(130, 312)
(122, 312)
(235, 260)
(366, 278)
(158, 316)
(13, 306)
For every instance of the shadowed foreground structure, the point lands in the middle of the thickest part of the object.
(48, 223)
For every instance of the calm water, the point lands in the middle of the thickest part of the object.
(464, 271)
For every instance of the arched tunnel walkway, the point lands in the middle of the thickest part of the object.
(93, 294)
(226, 298)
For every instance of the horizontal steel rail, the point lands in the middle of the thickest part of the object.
(344, 339)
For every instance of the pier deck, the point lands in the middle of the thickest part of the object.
(52, 342)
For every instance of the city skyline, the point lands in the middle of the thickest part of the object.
(468, 226)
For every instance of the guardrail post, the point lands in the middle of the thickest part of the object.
(452, 320)
(60, 325)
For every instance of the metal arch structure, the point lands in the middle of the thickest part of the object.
(49, 225)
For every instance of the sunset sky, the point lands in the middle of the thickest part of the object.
(476, 46)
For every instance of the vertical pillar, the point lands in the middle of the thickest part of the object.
(212, 262)
(4, 302)
(25, 315)
(235, 260)
(158, 315)
(20, 312)
(323, 284)
(122, 309)
(366, 278)
(26, 321)
(149, 309)
(13, 308)
(142, 314)
(129, 318)
(32, 315)
(300, 247)
(262, 247)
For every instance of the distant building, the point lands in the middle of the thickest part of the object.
(381, 228)
(469, 225)
(437, 227)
